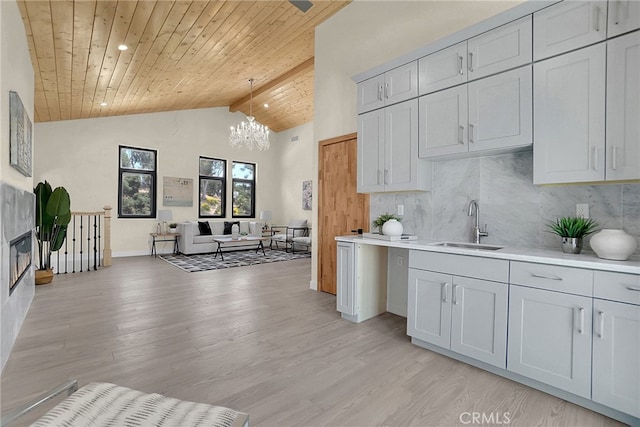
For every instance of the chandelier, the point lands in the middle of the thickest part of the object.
(250, 134)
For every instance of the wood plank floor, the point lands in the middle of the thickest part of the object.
(258, 340)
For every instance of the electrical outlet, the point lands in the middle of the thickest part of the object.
(582, 210)
(400, 209)
(400, 261)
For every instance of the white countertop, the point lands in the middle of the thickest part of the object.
(543, 256)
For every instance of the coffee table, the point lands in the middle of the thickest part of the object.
(224, 242)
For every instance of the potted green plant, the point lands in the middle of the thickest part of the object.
(382, 219)
(572, 230)
(53, 214)
(172, 227)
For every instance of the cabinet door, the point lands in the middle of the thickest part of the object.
(479, 320)
(550, 338)
(623, 107)
(569, 103)
(370, 94)
(401, 83)
(442, 69)
(443, 123)
(401, 146)
(501, 111)
(506, 47)
(346, 286)
(371, 151)
(568, 25)
(616, 356)
(623, 16)
(429, 307)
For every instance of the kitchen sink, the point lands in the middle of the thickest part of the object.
(476, 246)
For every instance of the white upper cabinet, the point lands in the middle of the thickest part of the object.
(371, 151)
(443, 122)
(624, 16)
(500, 111)
(623, 107)
(370, 95)
(568, 25)
(392, 87)
(443, 69)
(569, 111)
(506, 47)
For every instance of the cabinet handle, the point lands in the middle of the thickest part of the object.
(470, 61)
(632, 288)
(597, 18)
(460, 65)
(541, 276)
(386, 176)
(471, 133)
(386, 90)
(614, 163)
(460, 134)
(594, 158)
(379, 176)
(581, 321)
(444, 287)
(616, 7)
(601, 324)
(454, 297)
(379, 92)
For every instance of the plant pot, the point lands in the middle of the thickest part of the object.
(392, 228)
(571, 245)
(44, 277)
(613, 244)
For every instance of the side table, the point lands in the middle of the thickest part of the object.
(164, 237)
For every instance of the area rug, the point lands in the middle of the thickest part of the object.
(204, 262)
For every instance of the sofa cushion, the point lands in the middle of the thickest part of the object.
(228, 225)
(204, 228)
(204, 239)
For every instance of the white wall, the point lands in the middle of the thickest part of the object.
(82, 155)
(296, 165)
(366, 34)
(16, 73)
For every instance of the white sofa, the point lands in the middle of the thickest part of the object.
(192, 242)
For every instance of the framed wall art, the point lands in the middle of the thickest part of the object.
(306, 195)
(177, 191)
(20, 132)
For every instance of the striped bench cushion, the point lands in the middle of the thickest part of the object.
(104, 404)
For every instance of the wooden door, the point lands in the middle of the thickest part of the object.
(340, 208)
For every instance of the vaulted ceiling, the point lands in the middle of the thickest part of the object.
(181, 55)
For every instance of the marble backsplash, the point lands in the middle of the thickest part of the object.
(516, 211)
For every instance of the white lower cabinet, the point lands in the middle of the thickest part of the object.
(345, 285)
(465, 315)
(550, 338)
(616, 356)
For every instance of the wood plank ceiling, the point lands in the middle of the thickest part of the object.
(181, 55)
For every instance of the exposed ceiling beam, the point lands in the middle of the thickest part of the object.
(303, 68)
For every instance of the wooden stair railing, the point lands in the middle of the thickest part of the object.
(88, 242)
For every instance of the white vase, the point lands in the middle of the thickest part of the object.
(392, 228)
(613, 244)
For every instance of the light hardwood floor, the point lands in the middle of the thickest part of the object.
(258, 340)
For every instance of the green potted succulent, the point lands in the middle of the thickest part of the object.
(572, 230)
(382, 219)
(53, 214)
(172, 227)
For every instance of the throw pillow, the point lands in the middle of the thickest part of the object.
(204, 227)
(228, 225)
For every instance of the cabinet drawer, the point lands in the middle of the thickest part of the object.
(552, 277)
(617, 286)
(496, 270)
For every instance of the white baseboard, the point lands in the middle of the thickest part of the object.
(133, 253)
(313, 285)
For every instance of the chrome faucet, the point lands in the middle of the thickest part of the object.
(477, 232)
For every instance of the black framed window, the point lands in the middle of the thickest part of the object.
(137, 182)
(213, 186)
(243, 182)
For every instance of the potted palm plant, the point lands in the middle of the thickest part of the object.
(572, 230)
(53, 214)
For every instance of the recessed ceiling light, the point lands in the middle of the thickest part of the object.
(123, 47)
(266, 105)
(103, 104)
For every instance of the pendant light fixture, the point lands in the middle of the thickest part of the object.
(250, 134)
